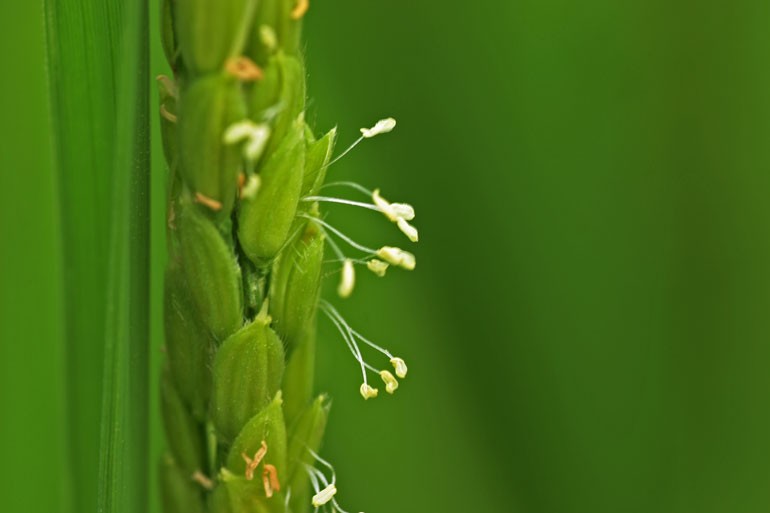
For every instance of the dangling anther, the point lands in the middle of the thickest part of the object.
(244, 69)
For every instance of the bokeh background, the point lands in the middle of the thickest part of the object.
(587, 329)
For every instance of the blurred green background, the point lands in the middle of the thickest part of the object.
(587, 328)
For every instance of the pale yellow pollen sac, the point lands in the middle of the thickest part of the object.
(250, 188)
(348, 279)
(397, 256)
(203, 480)
(400, 366)
(367, 391)
(211, 203)
(324, 496)
(251, 464)
(239, 131)
(407, 229)
(378, 267)
(300, 9)
(270, 480)
(267, 37)
(383, 126)
(256, 136)
(391, 384)
(244, 69)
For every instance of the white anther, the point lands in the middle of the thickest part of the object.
(403, 210)
(257, 136)
(407, 229)
(400, 366)
(396, 256)
(257, 142)
(251, 188)
(390, 382)
(324, 496)
(367, 391)
(378, 267)
(348, 280)
(383, 126)
(239, 131)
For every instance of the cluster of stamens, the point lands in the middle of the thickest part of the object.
(376, 260)
(352, 339)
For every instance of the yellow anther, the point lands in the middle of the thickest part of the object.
(400, 366)
(383, 126)
(390, 382)
(324, 496)
(397, 256)
(300, 9)
(367, 391)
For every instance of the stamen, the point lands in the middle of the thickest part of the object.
(400, 366)
(407, 229)
(255, 134)
(208, 202)
(397, 256)
(348, 280)
(324, 496)
(390, 382)
(270, 480)
(383, 126)
(367, 391)
(250, 189)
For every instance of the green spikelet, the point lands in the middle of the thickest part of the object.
(246, 243)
